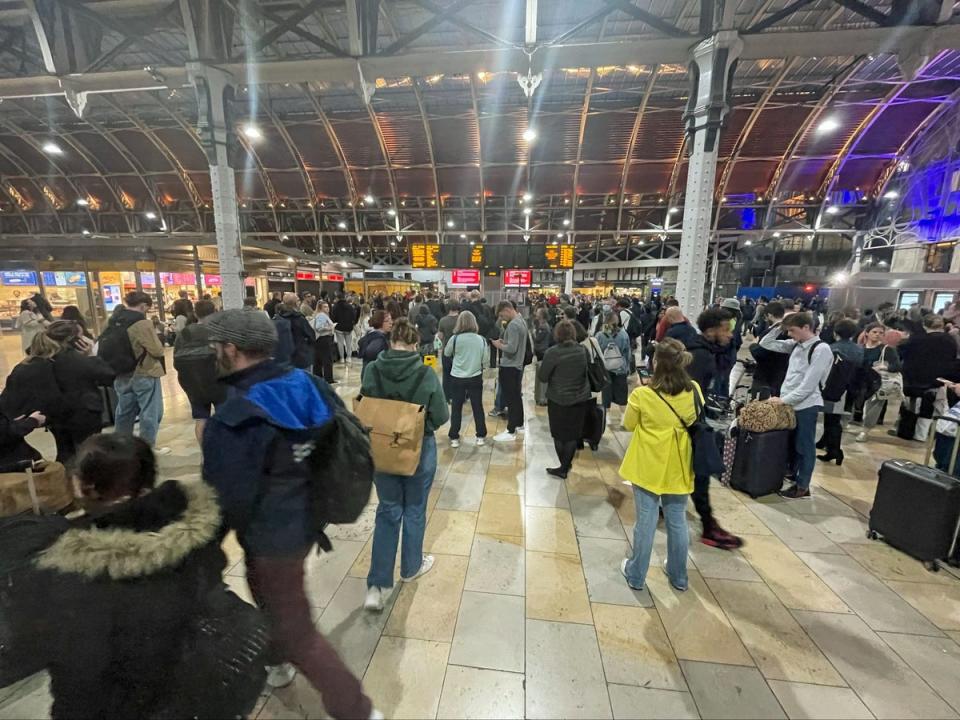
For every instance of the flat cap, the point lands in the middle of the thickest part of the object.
(246, 329)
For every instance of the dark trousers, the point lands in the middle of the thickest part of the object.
(511, 380)
(447, 363)
(277, 586)
(832, 433)
(701, 500)
(566, 449)
(461, 389)
(323, 357)
(70, 436)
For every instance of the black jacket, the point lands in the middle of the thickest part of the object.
(564, 370)
(32, 386)
(926, 357)
(196, 365)
(771, 366)
(14, 449)
(436, 308)
(707, 357)
(270, 307)
(79, 379)
(117, 594)
(344, 315)
(427, 326)
(683, 331)
(371, 345)
(295, 338)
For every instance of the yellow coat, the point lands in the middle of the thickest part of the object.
(660, 456)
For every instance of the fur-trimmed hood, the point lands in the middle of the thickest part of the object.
(144, 536)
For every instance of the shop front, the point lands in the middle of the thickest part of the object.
(15, 287)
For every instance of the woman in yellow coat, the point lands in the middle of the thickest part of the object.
(659, 462)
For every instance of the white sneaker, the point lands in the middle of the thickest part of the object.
(454, 443)
(162, 451)
(425, 567)
(374, 599)
(481, 442)
(862, 437)
(279, 676)
(505, 437)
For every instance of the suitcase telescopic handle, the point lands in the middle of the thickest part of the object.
(931, 439)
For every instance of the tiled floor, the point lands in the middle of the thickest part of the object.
(526, 614)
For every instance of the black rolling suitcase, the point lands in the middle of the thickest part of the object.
(760, 461)
(916, 508)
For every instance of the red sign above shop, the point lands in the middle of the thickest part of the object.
(304, 275)
(517, 278)
(465, 277)
(333, 277)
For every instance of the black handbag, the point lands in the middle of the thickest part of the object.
(707, 457)
(597, 374)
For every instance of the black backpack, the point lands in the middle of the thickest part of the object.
(841, 377)
(528, 350)
(634, 326)
(114, 344)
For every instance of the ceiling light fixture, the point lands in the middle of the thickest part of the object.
(748, 243)
(463, 236)
(84, 232)
(560, 235)
(828, 125)
(51, 148)
(289, 259)
(83, 202)
(833, 210)
(566, 222)
(450, 223)
(776, 234)
(342, 225)
(891, 195)
(527, 196)
(527, 211)
(391, 212)
(368, 199)
(529, 134)
(252, 132)
(284, 237)
(150, 215)
(674, 210)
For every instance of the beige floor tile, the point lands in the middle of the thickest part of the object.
(490, 632)
(500, 515)
(556, 589)
(325, 571)
(776, 641)
(405, 677)
(639, 703)
(955, 635)
(936, 660)
(888, 563)
(635, 648)
(470, 693)
(550, 530)
(797, 586)
(728, 691)
(496, 565)
(940, 604)
(450, 532)
(816, 702)
(697, 627)
(504, 480)
(361, 567)
(580, 483)
(738, 520)
(427, 608)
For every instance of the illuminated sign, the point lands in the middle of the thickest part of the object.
(333, 277)
(476, 256)
(465, 277)
(64, 279)
(305, 275)
(424, 256)
(566, 257)
(517, 278)
(18, 277)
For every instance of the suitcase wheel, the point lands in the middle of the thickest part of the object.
(932, 566)
(872, 534)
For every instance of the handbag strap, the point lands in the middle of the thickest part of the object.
(697, 406)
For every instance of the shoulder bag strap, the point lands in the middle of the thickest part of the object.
(676, 414)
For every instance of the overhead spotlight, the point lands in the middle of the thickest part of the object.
(566, 201)
(723, 199)
(392, 244)
(450, 223)
(833, 210)
(527, 197)
(391, 212)
(289, 259)
(566, 222)
(674, 210)
(748, 243)
(839, 278)
(83, 202)
(150, 215)
(641, 241)
(368, 199)
(84, 232)
(560, 235)
(342, 225)
(776, 234)
(476, 202)
(51, 148)
(463, 236)
(343, 249)
(529, 134)
(433, 202)
(828, 125)
(527, 211)
(252, 132)
(891, 195)
(471, 242)
(284, 237)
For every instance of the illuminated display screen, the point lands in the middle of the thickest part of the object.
(425, 256)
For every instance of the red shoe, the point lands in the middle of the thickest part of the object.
(719, 538)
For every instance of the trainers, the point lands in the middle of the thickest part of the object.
(675, 587)
(455, 443)
(862, 437)
(279, 676)
(424, 569)
(481, 442)
(794, 492)
(496, 413)
(162, 451)
(374, 599)
(505, 436)
(717, 537)
(623, 571)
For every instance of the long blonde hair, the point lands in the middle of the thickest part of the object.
(670, 363)
(43, 347)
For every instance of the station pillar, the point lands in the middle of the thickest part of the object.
(214, 89)
(711, 68)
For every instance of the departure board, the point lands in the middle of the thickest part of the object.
(566, 257)
(425, 256)
(476, 256)
(461, 256)
(558, 257)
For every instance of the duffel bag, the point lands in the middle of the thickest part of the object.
(43, 489)
(765, 416)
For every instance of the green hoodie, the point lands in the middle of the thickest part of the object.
(403, 376)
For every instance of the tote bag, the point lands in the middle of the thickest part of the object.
(396, 429)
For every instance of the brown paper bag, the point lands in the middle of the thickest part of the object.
(43, 490)
(396, 433)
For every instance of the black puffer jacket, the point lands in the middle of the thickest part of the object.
(119, 595)
(80, 377)
(707, 357)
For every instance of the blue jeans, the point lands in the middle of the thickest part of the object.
(805, 445)
(402, 499)
(678, 542)
(138, 393)
(498, 398)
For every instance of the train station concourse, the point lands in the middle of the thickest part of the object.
(479, 359)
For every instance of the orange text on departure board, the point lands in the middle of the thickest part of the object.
(424, 256)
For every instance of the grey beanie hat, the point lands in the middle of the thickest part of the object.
(247, 330)
(730, 304)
